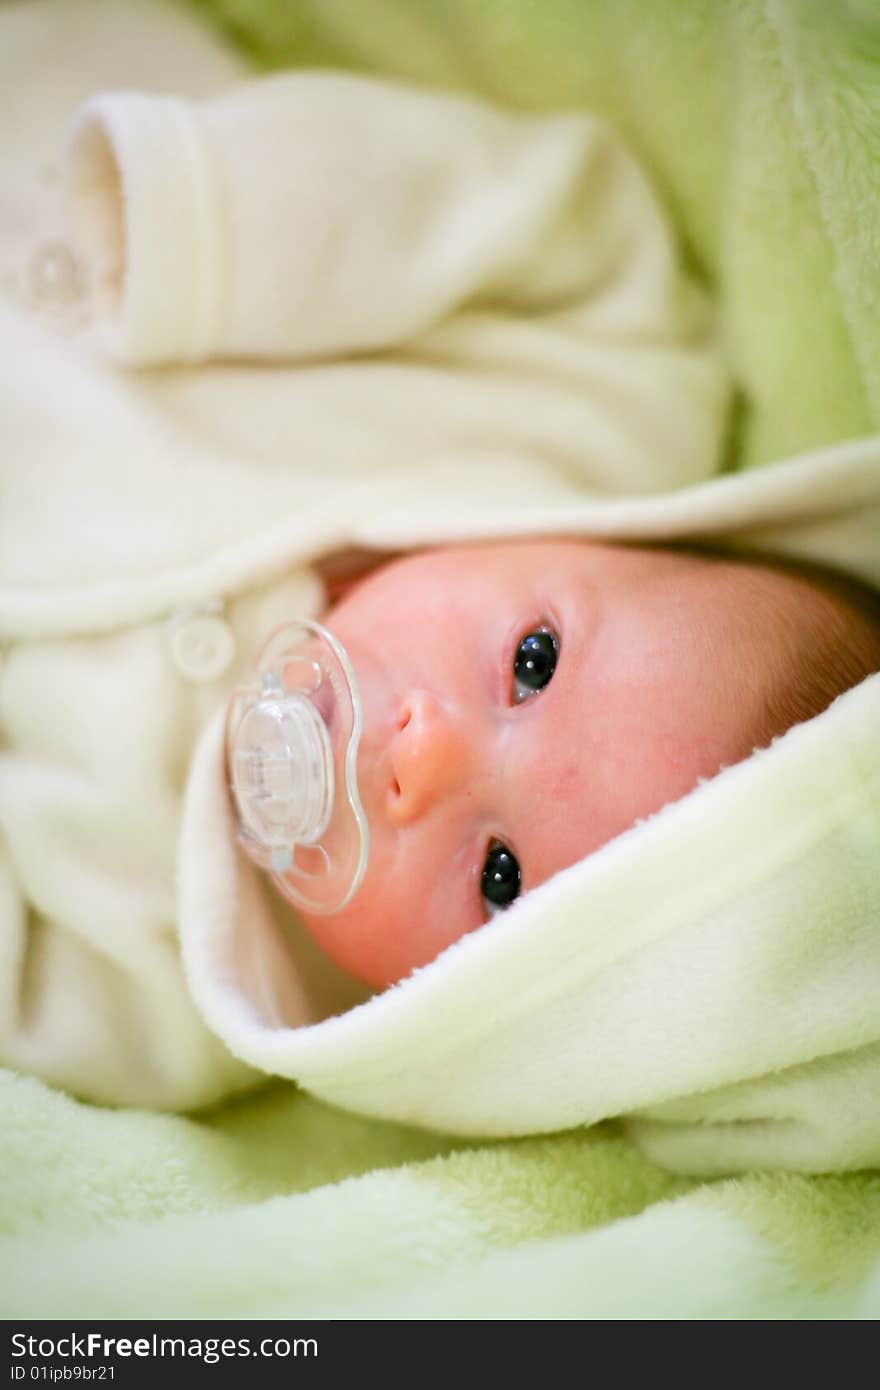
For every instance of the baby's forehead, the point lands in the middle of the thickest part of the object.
(515, 560)
(741, 599)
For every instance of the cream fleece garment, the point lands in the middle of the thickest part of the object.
(529, 360)
(496, 272)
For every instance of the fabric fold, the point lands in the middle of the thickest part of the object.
(731, 1009)
(143, 204)
(316, 214)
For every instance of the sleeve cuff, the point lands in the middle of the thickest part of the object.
(143, 205)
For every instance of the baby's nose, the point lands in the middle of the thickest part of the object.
(430, 756)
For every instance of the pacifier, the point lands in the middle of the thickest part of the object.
(292, 738)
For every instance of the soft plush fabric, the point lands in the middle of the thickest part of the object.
(764, 940)
(758, 119)
(279, 1206)
(524, 328)
(714, 973)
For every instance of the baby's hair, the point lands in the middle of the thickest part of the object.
(831, 645)
(843, 648)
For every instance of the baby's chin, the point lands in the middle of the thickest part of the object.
(379, 939)
(352, 940)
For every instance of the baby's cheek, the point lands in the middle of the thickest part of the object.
(650, 770)
(693, 754)
(393, 925)
(354, 939)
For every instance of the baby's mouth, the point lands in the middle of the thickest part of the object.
(325, 703)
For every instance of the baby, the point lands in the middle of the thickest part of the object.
(527, 702)
(430, 321)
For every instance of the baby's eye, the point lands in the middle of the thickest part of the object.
(534, 663)
(501, 878)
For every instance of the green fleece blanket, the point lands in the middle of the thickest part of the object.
(761, 122)
(282, 1207)
(758, 119)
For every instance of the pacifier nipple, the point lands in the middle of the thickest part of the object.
(292, 739)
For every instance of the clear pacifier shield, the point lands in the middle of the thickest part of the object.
(292, 741)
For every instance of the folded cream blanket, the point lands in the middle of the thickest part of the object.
(430, 321)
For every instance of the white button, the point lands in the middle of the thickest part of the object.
(202, 647)
(54, 275)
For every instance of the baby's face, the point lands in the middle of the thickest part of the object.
(524, 704)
